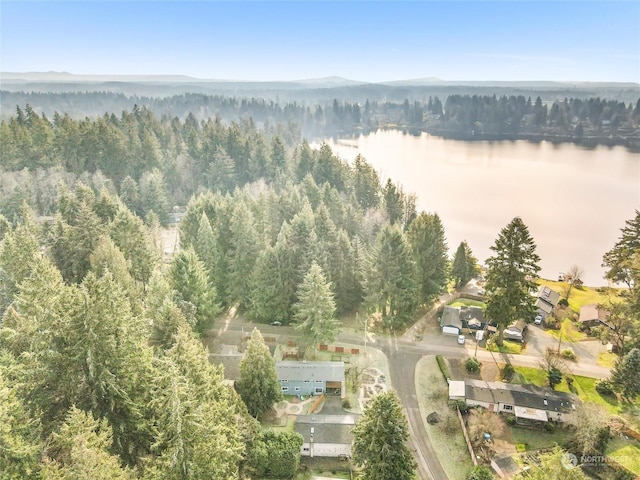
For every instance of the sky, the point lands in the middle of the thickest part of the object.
(371, 41)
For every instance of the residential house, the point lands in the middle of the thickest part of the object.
(515, 331)
(473, 318)
(528, 403)
(592, 315)
(326, 435)
(450, 320)
(547, 299)
(311, 378)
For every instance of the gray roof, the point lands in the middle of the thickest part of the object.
(529, 396)
(543, 306)
(451, 317)
(326, 428)
(506, 464)
(349, 419)
(301, 371)
(548, 296)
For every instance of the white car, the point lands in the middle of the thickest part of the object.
(461, 339)
(538, 320)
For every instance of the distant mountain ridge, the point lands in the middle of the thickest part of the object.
(324, 82)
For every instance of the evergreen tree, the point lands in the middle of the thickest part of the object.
(76, 235)
(464, 266)
(380, 440)
(276, 454)
(133, 239)
(258, 385)
(393, 280)
(245, 248)
(80, 450)
(393, 199)
(621, 260)
(511, 276)
(19, 434)
(366, 184)
(626, 374)
(189, 279)
(426, 236)
(315, 308)
(18, 250)
(198, 435)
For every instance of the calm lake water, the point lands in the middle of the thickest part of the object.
(574, 200)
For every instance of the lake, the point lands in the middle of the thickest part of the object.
(573, 199)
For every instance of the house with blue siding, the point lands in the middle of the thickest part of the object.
(311, 378)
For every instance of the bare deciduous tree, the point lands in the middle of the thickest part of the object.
(573, 278)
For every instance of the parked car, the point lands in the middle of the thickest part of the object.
(481, 291)
(461, 339)
(276, 323)
(538, 320)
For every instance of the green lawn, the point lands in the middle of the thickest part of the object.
(584, 387)
(569, 332)
(626, 453)
(607, 359)
(535, 439)
(467, 302)
(582, 296)
(507, 346)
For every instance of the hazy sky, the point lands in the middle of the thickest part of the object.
(364, 40)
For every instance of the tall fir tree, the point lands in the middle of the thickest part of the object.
(315, 308)
(190, 280)
(511, 276)
(258, 385)
(393, 279)
(429, 245)
(380, 440)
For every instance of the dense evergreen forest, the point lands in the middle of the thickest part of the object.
(101, 365)
(588, 120)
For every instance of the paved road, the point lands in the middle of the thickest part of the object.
(403, 354)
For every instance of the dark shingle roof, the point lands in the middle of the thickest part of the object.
(529, 396)
(451, 317)
(326, 428)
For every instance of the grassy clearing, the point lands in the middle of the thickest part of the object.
(607, 359)
(569, 332)
(467, 302)
(583, 295)
(530, 439)
(449, 445)
(626, 453)
(506, 347)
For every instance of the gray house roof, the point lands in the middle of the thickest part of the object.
(311, 371)
(327, 428)
(326, 433)
(547, 299)
(450, 317)
(528, 396)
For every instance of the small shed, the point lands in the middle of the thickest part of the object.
(504, 466)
